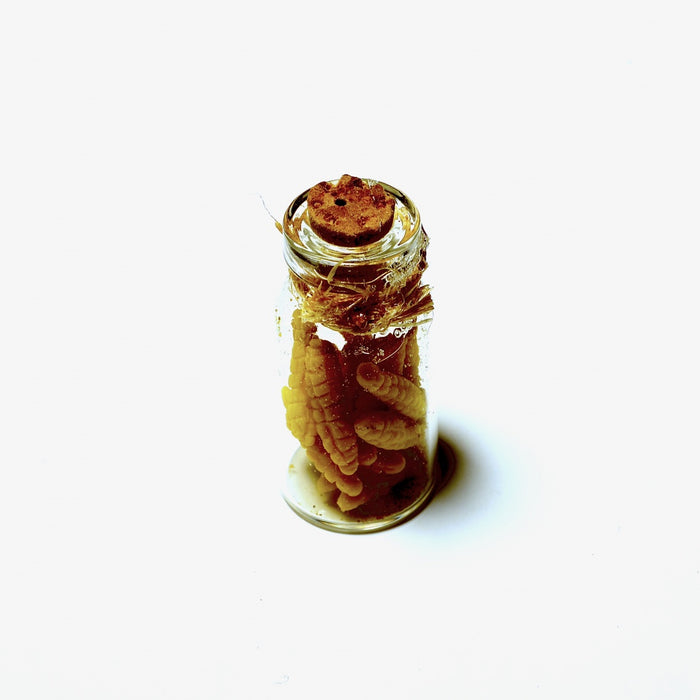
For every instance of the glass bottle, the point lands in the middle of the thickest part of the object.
(354, 318)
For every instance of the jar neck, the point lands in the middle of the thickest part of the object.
(364, 289)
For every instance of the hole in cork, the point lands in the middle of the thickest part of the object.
(340, 202)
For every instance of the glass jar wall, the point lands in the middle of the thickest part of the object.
(354, 319)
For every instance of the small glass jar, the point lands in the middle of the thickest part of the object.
(353, 323)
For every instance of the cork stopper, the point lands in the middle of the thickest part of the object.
(350, 212)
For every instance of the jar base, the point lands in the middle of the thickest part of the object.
(302, 496)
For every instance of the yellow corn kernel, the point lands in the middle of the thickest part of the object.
(394, 390)
(367, 454)
(388, 430)
(299, 420)
(347, 502)
(296, 402)
(349, 484)
(389, 462)
(323, 486)
(301, 333)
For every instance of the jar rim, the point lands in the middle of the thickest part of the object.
(304, 242)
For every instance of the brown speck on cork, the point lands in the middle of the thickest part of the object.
(350, 212)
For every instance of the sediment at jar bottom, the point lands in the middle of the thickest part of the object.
(360, 414)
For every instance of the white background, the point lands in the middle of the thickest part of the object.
(552, 149)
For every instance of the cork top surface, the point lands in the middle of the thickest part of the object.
(350, 212)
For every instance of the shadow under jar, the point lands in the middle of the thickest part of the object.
(354, 318)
